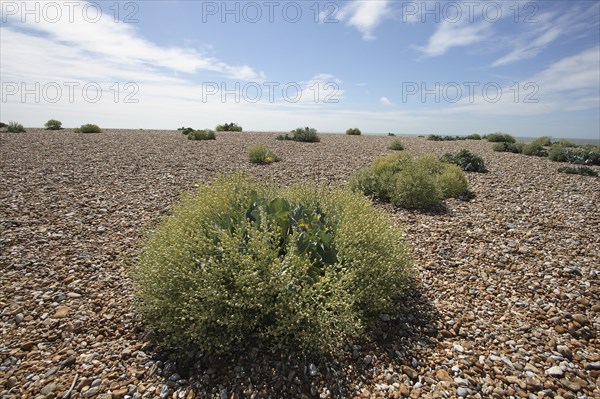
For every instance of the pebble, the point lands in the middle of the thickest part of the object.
(555, 371)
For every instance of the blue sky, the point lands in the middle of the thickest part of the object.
(529, 68)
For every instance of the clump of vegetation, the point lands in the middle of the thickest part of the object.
(466, 160)
(566, 143)
(580, 170)
(307, 134)
(396, 145)
(53, 124)
(15, 127)
(392, 134)
(536, 147)
(297, 268)
(585, 155)
(473, 136)
(185, 130)
(88, 128)
(410, 182)
(204, 134)
(283, 137)
(516, 148)
(2, 124)
(435, 137)
(260, 155)
(353, 131)
(229, 127)
(500, 138)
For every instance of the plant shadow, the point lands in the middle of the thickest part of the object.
(393, 342)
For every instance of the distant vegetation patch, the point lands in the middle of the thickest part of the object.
(396, 145)
(579, 170)
(499, 138)
(2, 125)
(473, 136)
(88, 128)
(516, 148)
(204, 134)
(15, 127)
(229, 127)
(306, 134)
(53, 124)
(185, 130)
(260, 155)
(353, 131)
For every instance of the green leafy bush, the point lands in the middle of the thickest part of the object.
(580, 170)
(566, 143)
(466, 160)
(205, 134)
(516, 148)
(186, 130)
(283, 137)
(229, 127)
(392, 134)
(307, 134)
(500, 138)
(473, 136)
(53, 124)
(2, 124)
(88, 128)
(557, 153)
(298, 268)
(435, 137)
(353, 131)
(260, 155)
(396, 145)
(410, 183)
(536, 147)
(15, 127)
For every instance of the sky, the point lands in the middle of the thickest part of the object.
(528, 68)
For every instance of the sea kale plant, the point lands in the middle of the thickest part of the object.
(466, 160)
(240, 262)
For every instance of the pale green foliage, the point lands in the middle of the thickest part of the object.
(259, 154)
(410, 182)
(300, 268)
(396, 145)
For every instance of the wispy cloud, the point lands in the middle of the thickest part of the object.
(548, 27)
(458, 34)
(385, 101)
(365, 15)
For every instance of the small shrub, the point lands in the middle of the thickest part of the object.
(307, 134)
(283, 137)
(2, 124)
(396, 145)
(516, 148)
(586, 155)
(297, 268)
(15, 127)
(410, 182)
(353, 131)
(466, 160)
(260, 155)
(53, 124)
(186, 130)
(566, 143)
(473, 136)
(205, 134)
(391, 135)
(88, 128)
(557, 153)
(537, 147)
(435, 137)
(229, 127)
(500, 138)
(580, 170)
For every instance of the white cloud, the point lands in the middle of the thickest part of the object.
(448, 35)
(550, 26)
(365, 15)
(385, 101)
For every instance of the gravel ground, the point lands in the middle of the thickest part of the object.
(506, 306)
